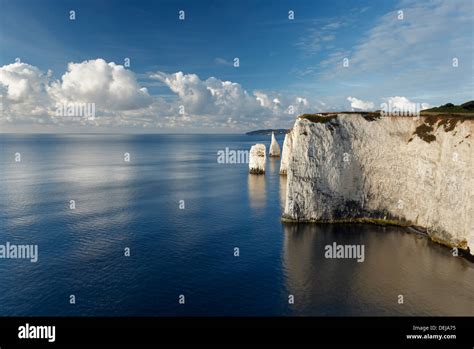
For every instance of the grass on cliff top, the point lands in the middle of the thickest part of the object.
(430, 115)
(318, 117)
(467, 107)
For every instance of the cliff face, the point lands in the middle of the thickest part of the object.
(286, 153)
(400, 170)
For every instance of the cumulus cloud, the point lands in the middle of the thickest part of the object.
(30, 95)
(403, 103)
(22, 82)
(264, 100)
(360, 104)
(23, 92)
(218, 100)
(211, 96)
(301, 101)
(110, 86)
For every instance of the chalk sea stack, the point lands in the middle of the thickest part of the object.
(274, 147)
(286, 152)
(257, 159)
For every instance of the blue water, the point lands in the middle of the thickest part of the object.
(190, 251)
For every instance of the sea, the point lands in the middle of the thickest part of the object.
(156, 225)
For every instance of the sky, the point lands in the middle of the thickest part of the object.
(224, 65)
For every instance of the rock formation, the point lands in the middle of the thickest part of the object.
(413, 171)
(257, 159)
(274, 147)
(285, 155)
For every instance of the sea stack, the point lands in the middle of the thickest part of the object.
(257, 159)
(274, 147)
(286, 152)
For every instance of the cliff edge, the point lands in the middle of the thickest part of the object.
(414, 171)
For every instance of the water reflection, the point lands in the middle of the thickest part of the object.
(282, 192)
(256, 190)
(396, 262)
(273, 165)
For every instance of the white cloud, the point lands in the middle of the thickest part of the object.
(29, 95)
(211, 96)
(404, 57)
(213, 100)
(320, 36)
(223, 61)
(403, 103)
(263, 99)
(110, 86)
(23, 92)
(302, 100)
(21, 82)
(360, 104)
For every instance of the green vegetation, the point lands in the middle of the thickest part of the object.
(424, 131)
(364, 220)
(318, 117)
(467, 107)
(268, 132)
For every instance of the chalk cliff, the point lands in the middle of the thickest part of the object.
(414, 171)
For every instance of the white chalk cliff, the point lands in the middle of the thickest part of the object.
(274, 147)
(257, 159)
(414, 171)
(285, 155)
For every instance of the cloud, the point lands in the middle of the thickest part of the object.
(214, 100)
(211, 96)
(29, 95)
(110, 86)
(22, 82)
(223, 61)
(360, 104)
(411, 55)
(426, 28)
(263, 99)
(333, 25)
(23, 91)
(403, 103)
(302, 101)
(320, 36)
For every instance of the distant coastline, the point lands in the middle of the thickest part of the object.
(268, 132)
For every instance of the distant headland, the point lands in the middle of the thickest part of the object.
(277, 131)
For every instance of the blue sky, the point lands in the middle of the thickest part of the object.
(283, 62)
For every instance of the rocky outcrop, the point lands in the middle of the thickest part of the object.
(285, 155)
(257, 159)
(274, 147)
(414, 171)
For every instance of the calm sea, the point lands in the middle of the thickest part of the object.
(182, 214)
